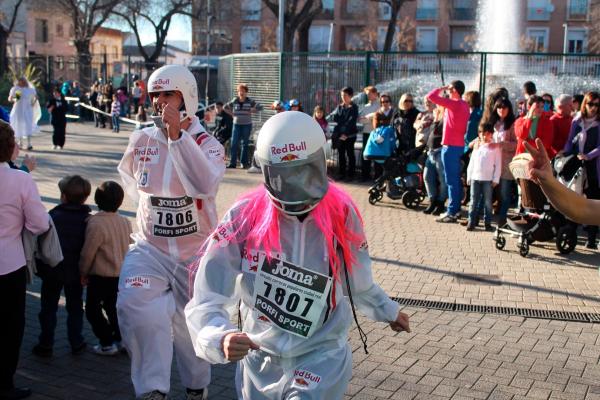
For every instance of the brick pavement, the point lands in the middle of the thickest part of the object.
(448, 355)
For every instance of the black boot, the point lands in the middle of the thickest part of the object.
(440, 207)
(591, 240)
(430, 208)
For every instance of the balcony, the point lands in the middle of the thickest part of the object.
(463, 14)
(427, 14)
(326, 13)
(538, 14)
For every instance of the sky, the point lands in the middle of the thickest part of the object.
(180, 29)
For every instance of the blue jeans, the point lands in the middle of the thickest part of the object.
(451, 159)
(434, 176)
(505, 197)
(479, 190)
(240, 133)
(115, 121)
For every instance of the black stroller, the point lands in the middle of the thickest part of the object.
(538, 222)
(402, 178)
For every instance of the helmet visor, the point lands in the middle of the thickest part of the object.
(298, 183)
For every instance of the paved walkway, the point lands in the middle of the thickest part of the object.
(449, 354)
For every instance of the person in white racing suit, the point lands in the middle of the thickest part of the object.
(172, 170)
(290, 250)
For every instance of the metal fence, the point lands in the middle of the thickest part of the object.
(115, 68)
(316, 78)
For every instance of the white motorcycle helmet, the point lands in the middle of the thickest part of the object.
(176, 78)
(291, 152)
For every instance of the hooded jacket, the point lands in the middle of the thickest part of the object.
(174, 183)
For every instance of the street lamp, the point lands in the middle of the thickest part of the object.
(281, 23)
(564, 60)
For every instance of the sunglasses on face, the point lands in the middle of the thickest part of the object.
(385, 101)
(594, 104)
(501, 107)
(408, 101)
(548, 101)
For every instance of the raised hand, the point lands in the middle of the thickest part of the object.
(539, 168)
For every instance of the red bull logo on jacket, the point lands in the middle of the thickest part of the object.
(306, 379)
(289, 151)
(146, 154)
(141, 282)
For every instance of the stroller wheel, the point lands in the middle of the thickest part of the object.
(500, 242)
(410, 199)
(524, 249)
(566, 240)
(375, 196)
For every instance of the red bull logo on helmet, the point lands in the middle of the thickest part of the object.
(289, 151)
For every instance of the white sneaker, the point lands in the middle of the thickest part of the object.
(254, 170)
(153, 395)
(105, 350)
(120, 347)
(54, 147)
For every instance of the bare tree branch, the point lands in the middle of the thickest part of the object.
(294, 19)
(5, 33)
(395, 6)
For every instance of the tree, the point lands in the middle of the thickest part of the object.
(7, 24)
(158, 14)
(395, 6)
(299, 15)
(87, 17)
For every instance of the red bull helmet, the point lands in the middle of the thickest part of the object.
(176, 78)
(290, 150)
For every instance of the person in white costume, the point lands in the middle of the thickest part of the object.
(296, 246)
(22, 121)
(173, 171)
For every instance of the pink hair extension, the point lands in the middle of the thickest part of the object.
(257, 224)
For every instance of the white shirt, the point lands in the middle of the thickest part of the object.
(485, 164)
(366, 113)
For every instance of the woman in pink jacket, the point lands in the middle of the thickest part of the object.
(21, 208)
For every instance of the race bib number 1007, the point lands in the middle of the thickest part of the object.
(292, 297)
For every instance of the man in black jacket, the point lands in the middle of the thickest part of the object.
(223, 124)
(344, 133)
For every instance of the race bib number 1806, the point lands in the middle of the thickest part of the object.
(173, 216)
(292, 297)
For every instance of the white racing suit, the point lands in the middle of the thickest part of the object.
(174, 183)
(298, 315)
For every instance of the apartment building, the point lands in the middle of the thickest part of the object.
(423, 25)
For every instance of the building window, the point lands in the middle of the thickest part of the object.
(427, 38)
(328, 10)
(539, 10)
(577, 9)
(461, 38)
(385, 12)
(537, 39)
(381, 33)
(41, 30)
(354, 38)
(59, 30)
(60, 62)
(427, 10)
(318, 38)
(576, 41)
(250, 39)
(251, 10)
(355, 7)
(464, 10)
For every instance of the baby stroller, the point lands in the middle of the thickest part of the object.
(538, 222)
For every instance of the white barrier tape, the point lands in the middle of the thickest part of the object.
(131, 121)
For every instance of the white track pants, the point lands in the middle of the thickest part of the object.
(153, 291)
(321, 374)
